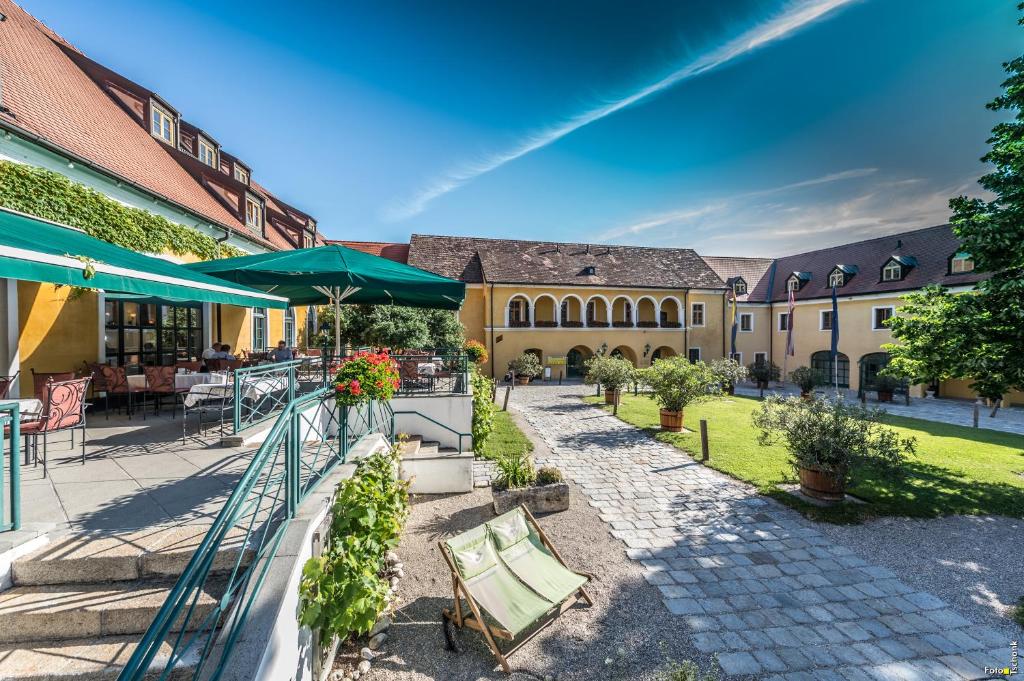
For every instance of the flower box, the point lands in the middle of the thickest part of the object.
(538, 498)
(622, 325)
(519, 324)
(572, 325)
(598, 325)
(545, 325)
(647, 325)
(671, 325)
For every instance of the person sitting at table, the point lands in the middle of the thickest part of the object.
(225, 353)
(282, 353)
(211, 352)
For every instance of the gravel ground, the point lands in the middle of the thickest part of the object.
(975, 563)
(628, 623)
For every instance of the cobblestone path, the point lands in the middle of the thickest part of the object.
(754, 582)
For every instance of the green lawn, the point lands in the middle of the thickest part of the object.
(957, 470)
(506, 438)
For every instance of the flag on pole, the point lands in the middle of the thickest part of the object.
(732, 351)
(835, 336)
(790, 350)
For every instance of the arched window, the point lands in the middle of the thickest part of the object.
(519, 311)
(822, 361)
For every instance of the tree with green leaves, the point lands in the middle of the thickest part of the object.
(395, 327)
(978, 335)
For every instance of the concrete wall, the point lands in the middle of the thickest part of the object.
(56, 334)
(455, 411)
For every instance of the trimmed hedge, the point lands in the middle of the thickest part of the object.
(52, 196)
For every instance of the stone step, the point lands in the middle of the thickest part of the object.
(123, 556)
(82, 659)
(61, 612)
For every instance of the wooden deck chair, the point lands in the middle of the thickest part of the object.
(489, 584)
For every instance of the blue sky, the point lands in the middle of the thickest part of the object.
(751, 127)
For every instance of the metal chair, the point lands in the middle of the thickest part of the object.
(5, 385)
(117, 384)
(39, 381)
(63, 409)
(160, 383)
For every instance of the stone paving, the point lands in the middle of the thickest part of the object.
(755, 583)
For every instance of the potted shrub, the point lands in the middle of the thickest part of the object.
(763, 373)
(612, 372)
(525, 367)
(676, 382)
(829, 440)
(517, 482)
(365, 376)
(729, 373)
(476, 351)
(886, 385)
(807, 379)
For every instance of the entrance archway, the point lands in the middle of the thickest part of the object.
(574, 360)
(868, 367)
(822, 361)
(625, 352)
(661, 353)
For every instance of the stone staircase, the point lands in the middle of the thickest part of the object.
(79, 605)
(434, 469)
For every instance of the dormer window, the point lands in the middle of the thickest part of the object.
(207, 153)
(589, 271)
(893, 271)
(836, 279)
(739, 287)
(792, 284)
(961, 263)
(253, 213)
(241, 174)
(797, 280)
(162, 123)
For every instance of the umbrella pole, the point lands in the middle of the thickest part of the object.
(337, 324)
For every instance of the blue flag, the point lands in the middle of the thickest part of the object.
(732, 353)
(835, 336)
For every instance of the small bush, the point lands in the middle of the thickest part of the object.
(343, 590)
(548, 475)
(729, 372)
(676, 382)
(613, 373)
(807, 379)
(526, 364)
(764, 371)
(483, 408)
(476, 351)
(515, 470)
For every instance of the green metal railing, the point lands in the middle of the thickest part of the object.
(431, 420)
(309, 439)
(432, 373)
(259, 392)
(10, 425)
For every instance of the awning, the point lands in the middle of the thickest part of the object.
(36, 250)
(316, 276)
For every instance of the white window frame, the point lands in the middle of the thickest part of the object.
(693, 317)
(778, 323)
(762, 356)
(250, 201)
(690, 350)
(259, 317)
(793, 284)
(523, 306)
(204, 146)
(290, 338)
(836, 274)
(162, 124)
(874, 317)
(241, 174)
(739, 287)
(821, 319)
(738, 356)
(892, 266)
(746, 315)
(964, 258)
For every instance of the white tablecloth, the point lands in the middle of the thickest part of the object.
(250, 390)
(28, 409)
(426, 369)
(181, 381)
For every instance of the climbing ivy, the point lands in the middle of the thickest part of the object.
(52, 196)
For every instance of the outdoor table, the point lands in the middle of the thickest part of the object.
(429, 370)
(181, 381)
(250, 390)
(29, 409)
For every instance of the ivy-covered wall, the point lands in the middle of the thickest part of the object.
(52, 196)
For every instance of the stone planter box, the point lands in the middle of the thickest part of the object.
(538, 498)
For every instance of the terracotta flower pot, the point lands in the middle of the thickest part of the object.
(609, 396)
(522, 380)
(671, 420)
(822, 485)
(885, 396)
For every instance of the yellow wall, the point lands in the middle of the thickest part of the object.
(56, 334)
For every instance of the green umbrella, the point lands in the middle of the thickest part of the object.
(335, 274)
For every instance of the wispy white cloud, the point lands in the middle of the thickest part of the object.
(690, 215)
(797, 15)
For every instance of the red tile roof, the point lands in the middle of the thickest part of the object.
(385, 249)
(52, 98)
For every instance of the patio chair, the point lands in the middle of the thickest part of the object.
(508, 570)
(5, 385)
(63, 409)
(39, 381)
(189, 367)
(221, 402)
(117, 384)
(160, 383)
(99, 382)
